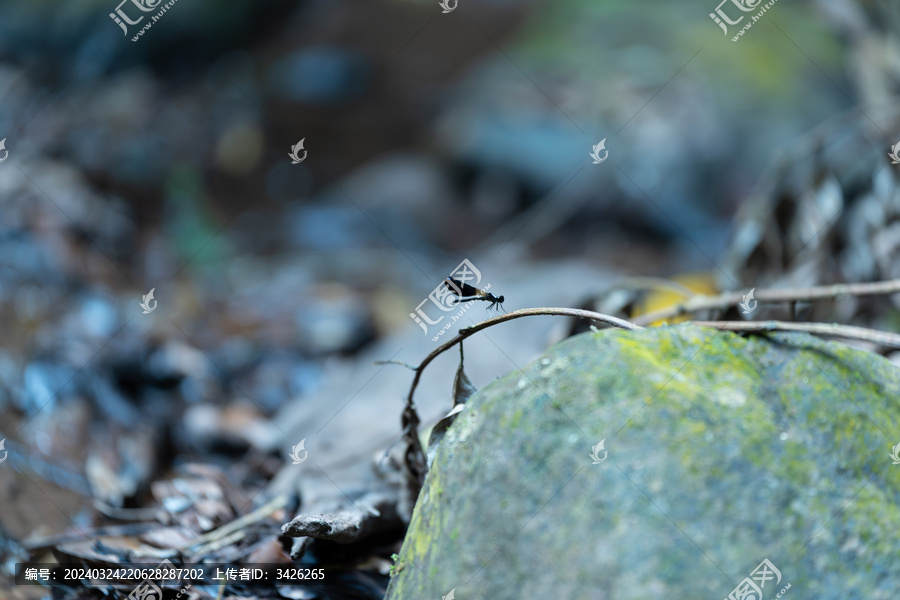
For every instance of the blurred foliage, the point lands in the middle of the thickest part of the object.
(188, 223)
(763, 81)
(79, 36)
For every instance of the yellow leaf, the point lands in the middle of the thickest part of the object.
(664, 297)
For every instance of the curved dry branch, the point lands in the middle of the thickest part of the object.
(702, 302)
(416, 463)
(516, 314)
(415, 460)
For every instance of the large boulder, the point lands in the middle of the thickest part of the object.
(720, 453)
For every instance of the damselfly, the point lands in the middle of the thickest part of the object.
(467, 292)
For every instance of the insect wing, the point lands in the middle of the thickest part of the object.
(466, 271)
(463, 290)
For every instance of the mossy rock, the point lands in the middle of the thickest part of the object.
(723, 451)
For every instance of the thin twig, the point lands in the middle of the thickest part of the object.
(850, 332)
(415, 457)
(209, 539)
(703, 302)
(395, 362)
(516, 314)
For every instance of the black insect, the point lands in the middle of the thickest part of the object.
(467, 292)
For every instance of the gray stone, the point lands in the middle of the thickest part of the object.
(723, 451)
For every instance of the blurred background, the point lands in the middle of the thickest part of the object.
(163, 164)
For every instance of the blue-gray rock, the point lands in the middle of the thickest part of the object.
(719, 453)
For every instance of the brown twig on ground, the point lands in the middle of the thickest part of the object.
(850, 332)
(702, 302)
(416, 463)
(217, 539)
(209, 539)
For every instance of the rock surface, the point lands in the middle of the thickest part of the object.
(723, 451)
